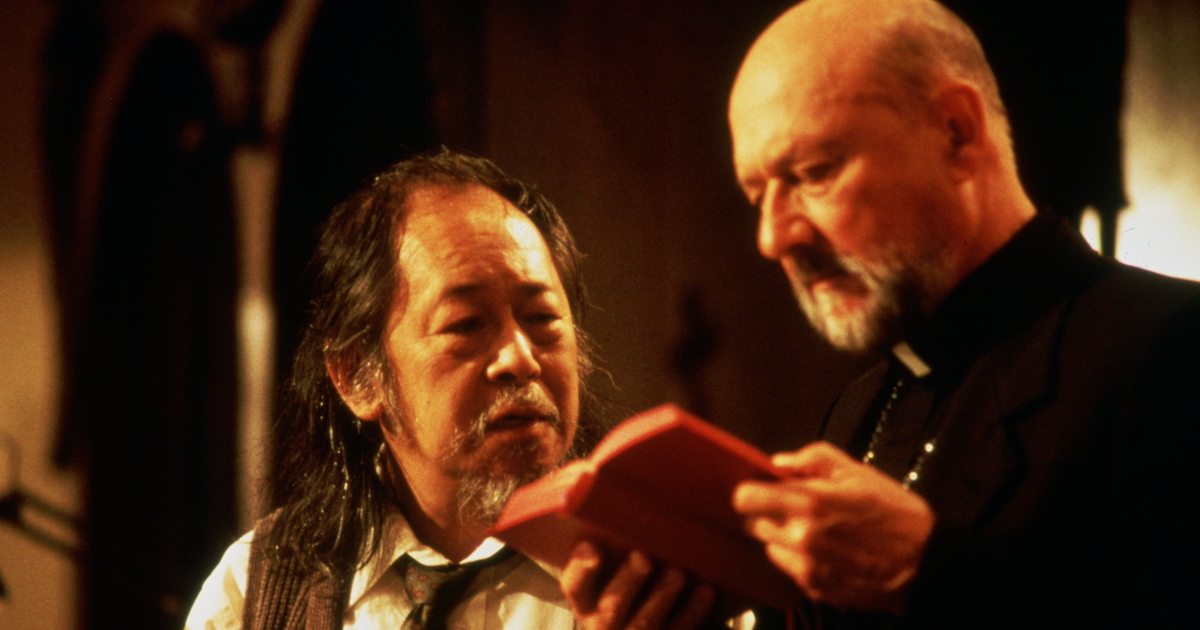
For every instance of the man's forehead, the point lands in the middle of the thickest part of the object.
(791, 87)
(447, 217)
(466, 227)
(816, 49)
(806, 70)
(774, 116)
(467, 291)
(453, 204)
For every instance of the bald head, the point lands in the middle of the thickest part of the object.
(871, 137)
(892, 51)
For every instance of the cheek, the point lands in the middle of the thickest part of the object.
(886, 208)
(566, 359)
(427, 393)
(560, 373)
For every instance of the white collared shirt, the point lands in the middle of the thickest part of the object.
(517, 593)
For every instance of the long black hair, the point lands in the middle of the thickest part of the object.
(333, 501)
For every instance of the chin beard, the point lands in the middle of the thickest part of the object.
(891, 302)
(868, 327)
(481, 495)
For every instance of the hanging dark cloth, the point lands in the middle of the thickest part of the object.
(156, 371)
(362, 101)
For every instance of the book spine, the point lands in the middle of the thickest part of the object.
(578, 491)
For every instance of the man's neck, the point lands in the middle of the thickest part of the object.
(1002, 208)
(995, 207)
(439, 525)
(456, 540)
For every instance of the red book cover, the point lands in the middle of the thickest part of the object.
(662, 482)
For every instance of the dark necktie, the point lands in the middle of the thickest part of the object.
(434, 591)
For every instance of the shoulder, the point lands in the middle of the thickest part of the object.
(1133, 318)
(1128, 293)
(221, 600)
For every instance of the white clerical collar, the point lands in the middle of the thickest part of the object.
(909, 358)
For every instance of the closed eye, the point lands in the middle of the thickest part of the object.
(818, 173)
(543, 318)
(462, 326)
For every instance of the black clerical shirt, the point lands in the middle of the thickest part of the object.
(998, 299)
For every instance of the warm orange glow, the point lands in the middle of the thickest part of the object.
(1161, 128)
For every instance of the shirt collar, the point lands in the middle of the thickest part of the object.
(399, 539)
(911, 360)
(1045, 260)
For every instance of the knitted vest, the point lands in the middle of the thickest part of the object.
(281, 595)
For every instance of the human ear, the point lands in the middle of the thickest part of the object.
(962, 121)
(348, 376)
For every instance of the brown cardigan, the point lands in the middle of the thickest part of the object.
(281, 595)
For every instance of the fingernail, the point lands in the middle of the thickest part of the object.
(738, 494)
(585, 551)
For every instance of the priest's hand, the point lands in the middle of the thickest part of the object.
(637, 594)
(848, 534)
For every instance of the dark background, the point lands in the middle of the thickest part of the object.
(615, 110)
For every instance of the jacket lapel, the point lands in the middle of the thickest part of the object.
(979, 459)
(849, 412)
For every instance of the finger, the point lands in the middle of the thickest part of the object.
(781, 499)
(660, 600)
(818, 459)
(579, 577)
(699, 604)
(618, 596)
(793, 533)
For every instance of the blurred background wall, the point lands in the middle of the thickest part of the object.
(164, 165)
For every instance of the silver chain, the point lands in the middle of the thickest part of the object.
(914, 473)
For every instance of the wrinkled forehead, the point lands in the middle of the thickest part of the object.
(801, 69)
(448, 206)
(452, 230)
(782, 94)
(462, 217)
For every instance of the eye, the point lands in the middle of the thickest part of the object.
(543, 319)
(462, 326)
(817, 173)
(543, 327)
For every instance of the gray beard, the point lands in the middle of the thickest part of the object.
(871, 327)
(482, 494)
(894, 294)
(481, 498)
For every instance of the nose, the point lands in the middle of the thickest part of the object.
(782, 224)
(514, 361)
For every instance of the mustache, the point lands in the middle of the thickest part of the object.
(820, 262)
(532, 401)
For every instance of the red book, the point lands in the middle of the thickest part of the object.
(661, 482)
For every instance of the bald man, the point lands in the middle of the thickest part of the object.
(1026, 454)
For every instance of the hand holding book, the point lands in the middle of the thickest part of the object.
(662, 483)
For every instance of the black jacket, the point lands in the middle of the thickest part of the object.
(1064, 404)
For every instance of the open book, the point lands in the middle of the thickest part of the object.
(661, 482)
